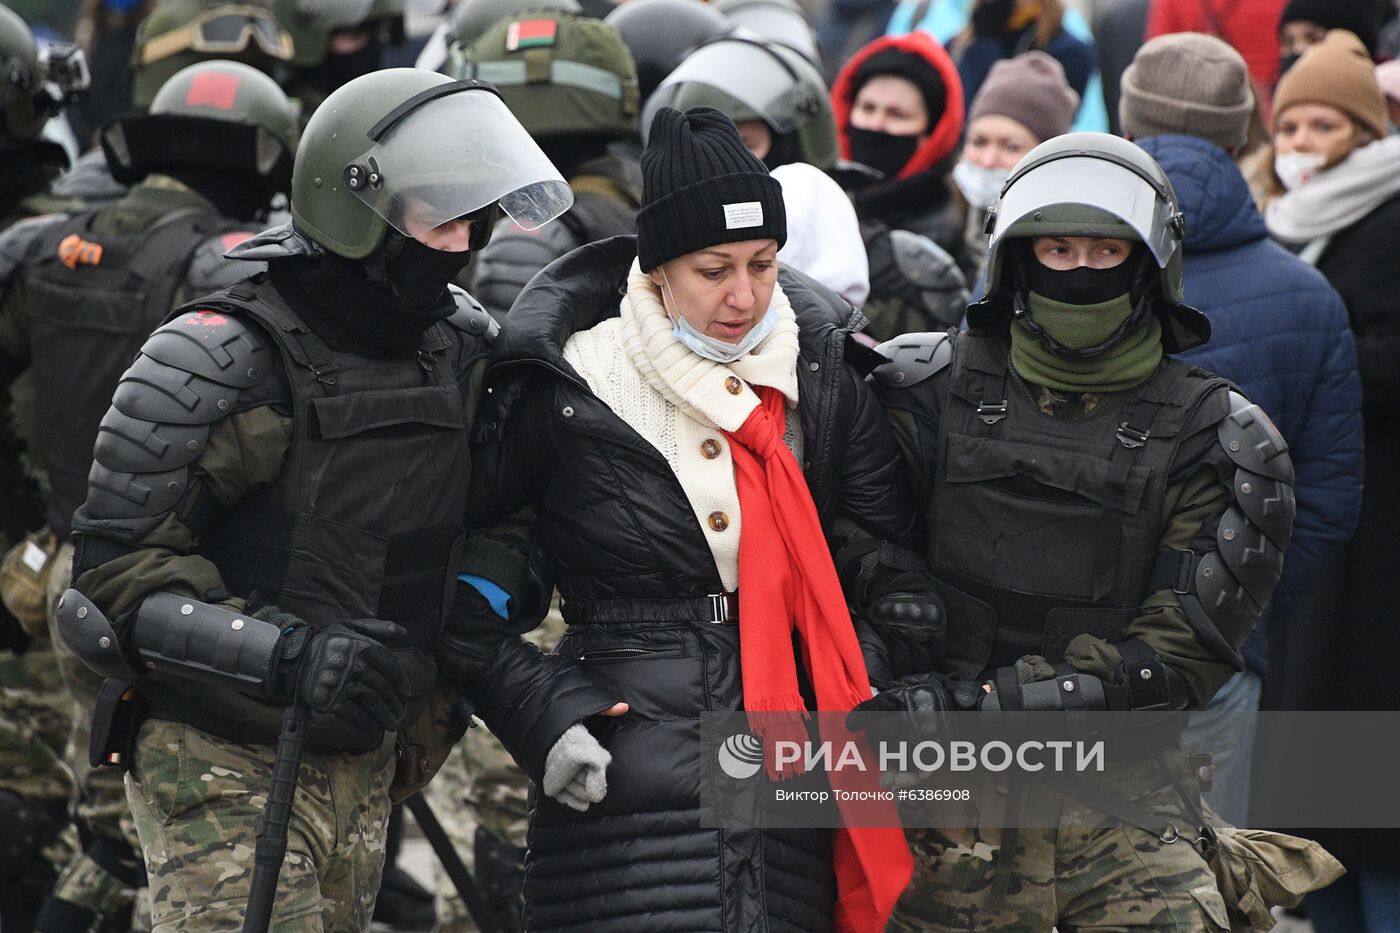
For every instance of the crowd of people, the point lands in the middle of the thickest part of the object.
(579, 369)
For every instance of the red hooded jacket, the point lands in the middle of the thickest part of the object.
(946, 132)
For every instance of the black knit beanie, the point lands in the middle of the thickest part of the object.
(701, 188)
(1359, 16)
(911, 67)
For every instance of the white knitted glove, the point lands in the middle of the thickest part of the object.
(575, 770)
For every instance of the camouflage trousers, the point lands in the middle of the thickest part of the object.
(198, 802)
(1086, 871)
(101, 795)
(481, 786)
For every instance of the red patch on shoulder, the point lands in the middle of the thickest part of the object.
(205, 319)
(230, 240)
(211, 89)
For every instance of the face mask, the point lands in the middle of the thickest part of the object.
(885, 153)
(1286, 62)
(712, 348)
(979, 185)
(1081, 285)
(420, 272)
(1296, 169)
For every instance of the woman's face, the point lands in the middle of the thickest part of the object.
(890, 104)
(1297, 37)
(722, 291)
(1316, 129)
(996, 141)
(1063, 253)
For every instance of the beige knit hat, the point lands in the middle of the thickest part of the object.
(1337, 72)
(1188, 83)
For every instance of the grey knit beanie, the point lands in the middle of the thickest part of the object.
(1187, 83)
(1030, 89)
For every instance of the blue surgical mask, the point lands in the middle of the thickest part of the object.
(712, 348)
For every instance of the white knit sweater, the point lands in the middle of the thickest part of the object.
(680, 402)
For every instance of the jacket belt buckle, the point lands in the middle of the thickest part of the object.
(1130, 437)
(991, 414)
(724, 608)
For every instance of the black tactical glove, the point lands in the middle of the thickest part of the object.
(347, 670)
(925, 700)
(912, 623)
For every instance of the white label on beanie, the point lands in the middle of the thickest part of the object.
(743, 214)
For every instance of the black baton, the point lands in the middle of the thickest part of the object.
(277, 815)
(452, 863)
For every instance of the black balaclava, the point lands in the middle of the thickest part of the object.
(237, 195)
(1082, 285)
(338, 70)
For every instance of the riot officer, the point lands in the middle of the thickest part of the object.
(779, 102)
(571, 82)
(83, 293)
(335, 41)
(1105, 524)
(34, 784)
(277, 493)
(660, 34)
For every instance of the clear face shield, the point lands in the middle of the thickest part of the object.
(450, 152)
(741, 78)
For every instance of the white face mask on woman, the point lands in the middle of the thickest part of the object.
(1296, 169)
(979, 185)
(712, 348)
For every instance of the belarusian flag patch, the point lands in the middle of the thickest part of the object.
(531, 34)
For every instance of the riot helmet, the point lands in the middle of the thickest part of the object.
(216, 118)
(36, 84)
(312, 22)
(411, 150)
(563, 76)
(661, 33)
(747, 79)
(471, 18)
(180, 33)
(780, 21)
(1095, 185)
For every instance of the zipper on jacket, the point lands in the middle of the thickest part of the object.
(624, 654)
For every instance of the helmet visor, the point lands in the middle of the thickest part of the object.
(453, 155)
(1080, 197)
(739, 71)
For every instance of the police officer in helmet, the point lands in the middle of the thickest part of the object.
(1109, 522)
(287, 531)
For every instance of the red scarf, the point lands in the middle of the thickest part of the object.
(787, 581)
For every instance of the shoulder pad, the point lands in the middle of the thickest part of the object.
(923, 261)
(188, 376)
(276, 243)
(470, 317)
(210, 269)
(1252, 442)
(913, 358)
(512, 258)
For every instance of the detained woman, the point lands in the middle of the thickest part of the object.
(681, 415)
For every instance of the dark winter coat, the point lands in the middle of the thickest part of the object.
(1278, 331)
(614, 523)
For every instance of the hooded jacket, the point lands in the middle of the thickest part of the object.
(1279, 331)
(909, 201)
(614, 524)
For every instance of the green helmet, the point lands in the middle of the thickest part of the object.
(780, 21)
(471, 18)
(746, 79)
(413, 150)
(219, 115)
(562, 75)
(34, 85)
(180, 33)
(1091, 184)
(311, 23)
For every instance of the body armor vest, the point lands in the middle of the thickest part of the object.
(362, 520)
(1045, 528)
(92, 300)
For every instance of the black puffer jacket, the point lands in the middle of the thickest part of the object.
(614, 523)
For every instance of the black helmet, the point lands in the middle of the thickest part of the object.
(660, 33)
(218, 115)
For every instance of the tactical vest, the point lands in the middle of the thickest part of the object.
(92, 301)
(1045, 528)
